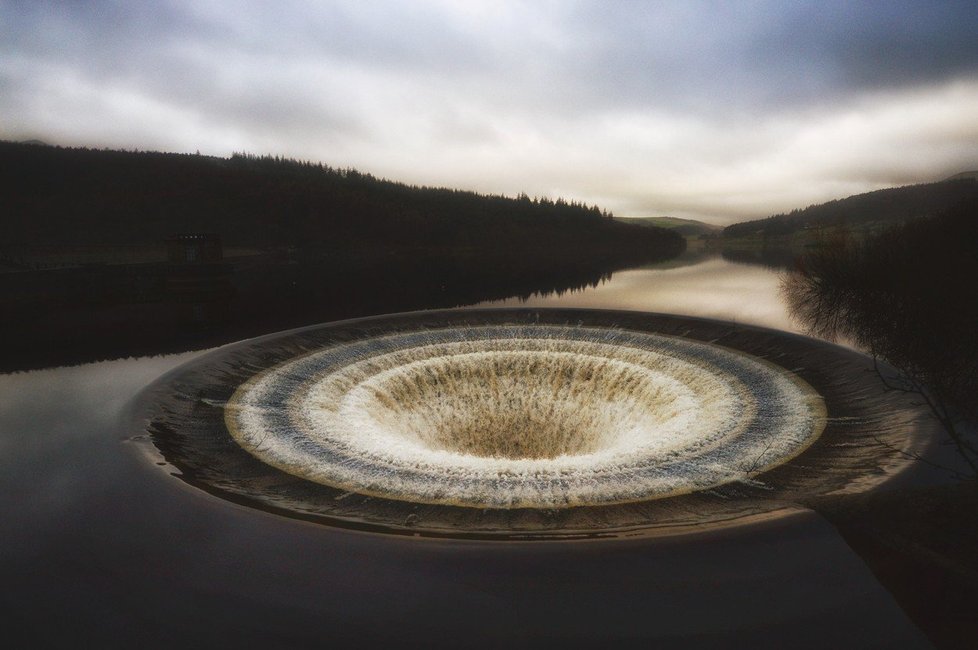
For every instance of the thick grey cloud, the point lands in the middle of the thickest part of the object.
(719, 110)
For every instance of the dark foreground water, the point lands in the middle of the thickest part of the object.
(101, 546)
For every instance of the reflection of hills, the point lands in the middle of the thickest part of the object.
(65, 316)
(773, 258)
(85, 274)
(692, 255)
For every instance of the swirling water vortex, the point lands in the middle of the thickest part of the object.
(528, 423)
(524, 417)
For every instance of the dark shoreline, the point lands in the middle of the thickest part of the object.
(78, 315)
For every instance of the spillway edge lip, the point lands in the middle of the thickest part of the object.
(211, 378)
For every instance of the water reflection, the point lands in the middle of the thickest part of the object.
(99, 549)
(58, 431)
(712, 287)
(898, 306)
(905, 296)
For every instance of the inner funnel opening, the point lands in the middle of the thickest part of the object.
(521, 405)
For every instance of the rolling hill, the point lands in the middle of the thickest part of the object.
(862, 212)
(685, 227)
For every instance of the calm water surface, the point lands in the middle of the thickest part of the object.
(102, 546)
(710, 287)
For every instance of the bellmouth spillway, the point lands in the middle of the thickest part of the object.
(532, 416)
(542, 422)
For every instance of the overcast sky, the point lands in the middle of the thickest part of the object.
(714, 110)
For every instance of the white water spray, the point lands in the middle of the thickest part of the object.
(533, 416)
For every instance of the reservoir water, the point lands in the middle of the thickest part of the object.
(694, 285)
(103, 546)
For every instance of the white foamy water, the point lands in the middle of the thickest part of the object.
(534, 416)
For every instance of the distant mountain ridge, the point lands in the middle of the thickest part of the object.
(685, 227)
(963, 176)
(893, 205)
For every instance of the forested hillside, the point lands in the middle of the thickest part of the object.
(685, 227)
(85, 272)
(57, 196)
(889, 206)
